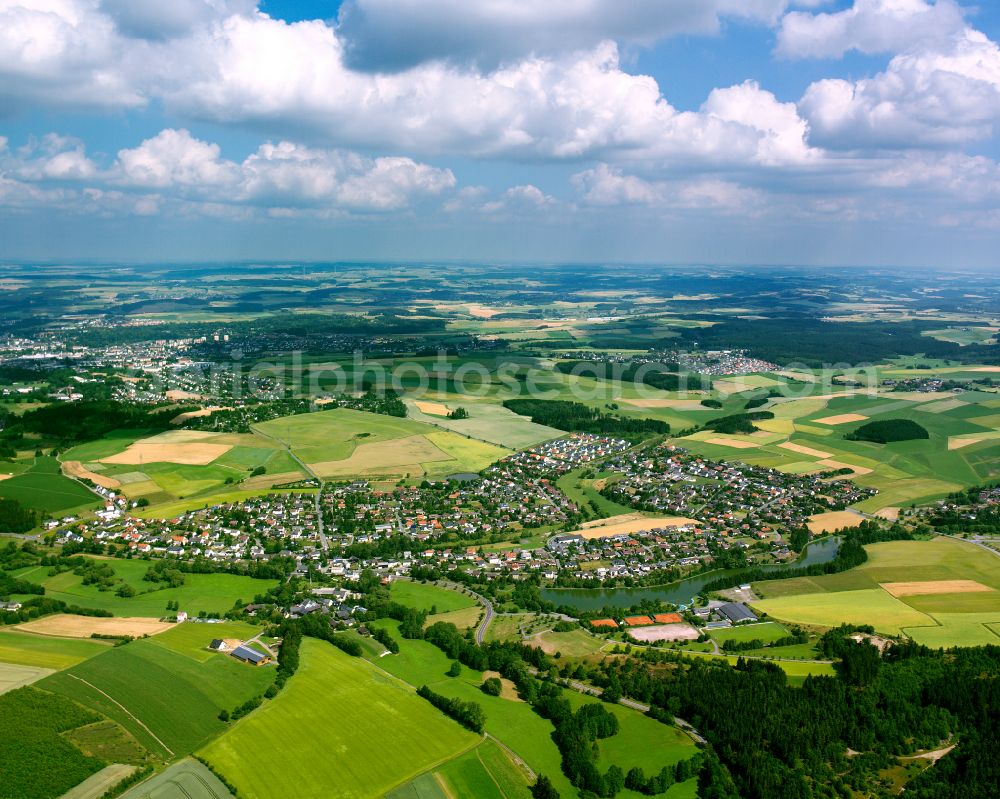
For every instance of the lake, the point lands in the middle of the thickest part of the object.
(681, 592)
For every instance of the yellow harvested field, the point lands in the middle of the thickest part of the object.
(675, 404)
(482, 312)
(957, 442)
(6, 476)
(815, 453)
(783, 426)
(68, 626)
(635, 526)
(842, 418)
(77, 469)
(735, 443)
(830, 464)
(940, 406)
(889, 514)
(400, 453)
(803, 376)
(188, 454)
(986, 369)
(268, 480)
(508, 690)
(432, 408)
(175, 394)
(935, 587)
(834, 520)
(183, 417)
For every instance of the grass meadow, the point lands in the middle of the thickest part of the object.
(47, 652)
(425, 596)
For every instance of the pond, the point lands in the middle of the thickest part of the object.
(681, 592)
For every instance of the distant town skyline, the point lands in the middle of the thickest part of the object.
(826, 132)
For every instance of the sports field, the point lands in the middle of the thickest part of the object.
(382, 734)
(943, 592)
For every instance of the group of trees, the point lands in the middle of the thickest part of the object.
(14, 517)
(163, 571)
(575, 417)
(885, 431)
(738, 422)
(663, 376)
(469, 714)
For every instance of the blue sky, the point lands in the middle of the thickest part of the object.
(708, 131)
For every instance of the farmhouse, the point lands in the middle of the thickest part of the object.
(248, 655)
(736, 612)
(218, 645)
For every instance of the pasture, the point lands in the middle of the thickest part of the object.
(868, 606)
(486, 772)
(425, 596)
(382, 733)
(213, 593)
(168, 700)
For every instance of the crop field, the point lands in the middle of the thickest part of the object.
(953, 587)
(45, 651)
(484, 773)
(42, 488)
(214, 593)
(187, 779)
(13, 676)
(425, 596)
(383, 734)
(169, 701)
(487, 422)
(356, 444)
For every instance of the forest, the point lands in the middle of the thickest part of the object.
(575, 417)
(784, 742)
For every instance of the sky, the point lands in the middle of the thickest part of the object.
(813, 132)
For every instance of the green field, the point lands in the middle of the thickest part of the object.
(765, 631)
(425, 596)
(168, 700)
(42, 488)
(214, 593)
(871, 606)
(640, 742)
(382, 734)
(187, 779)
(574, 643)
(47, 652)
